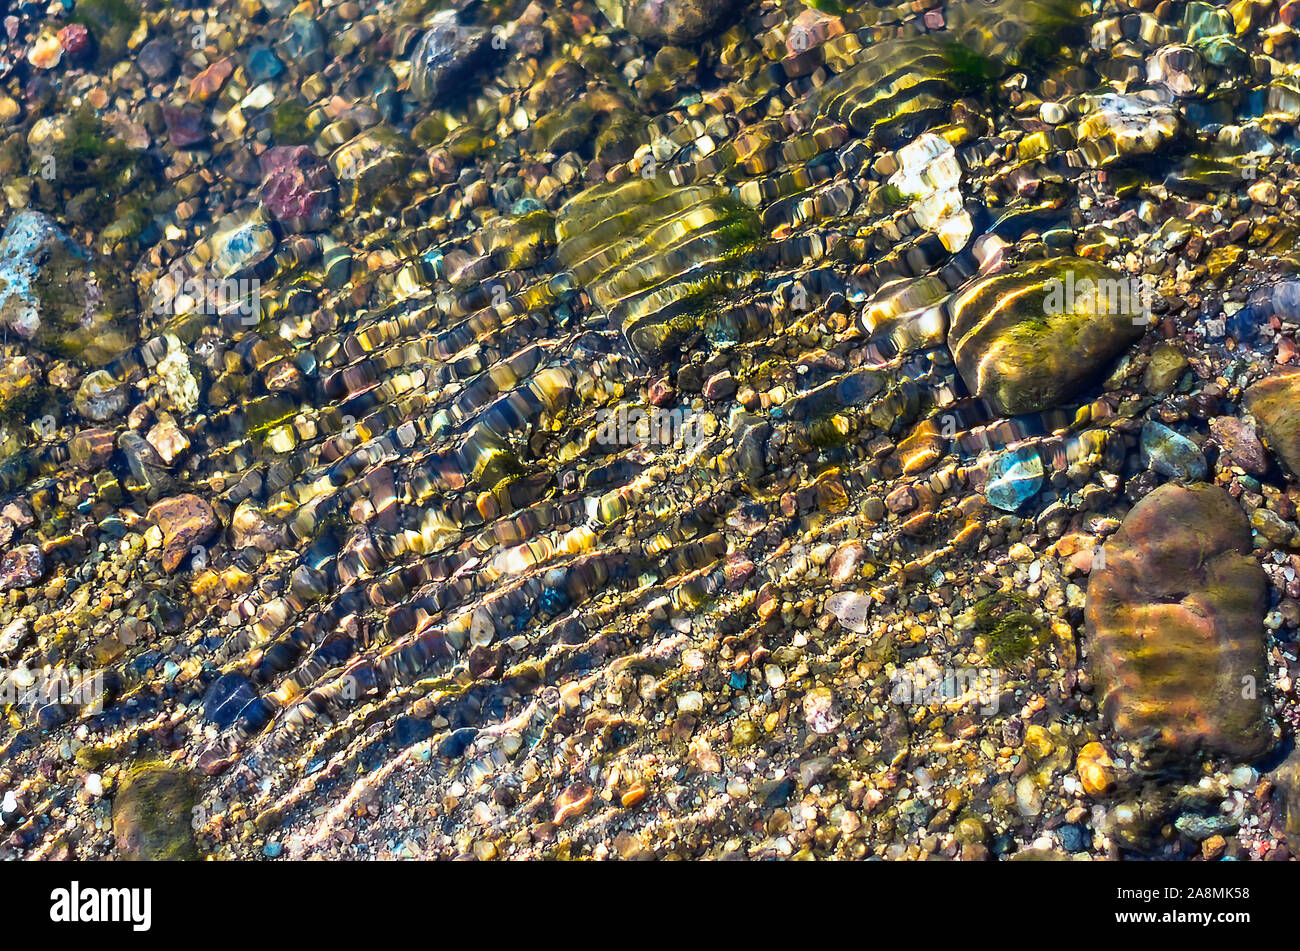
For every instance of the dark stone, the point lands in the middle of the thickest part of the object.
(446, 55)
(408, 731)
(455, 743)
(186, 125)
(226, 699)
(156, 58)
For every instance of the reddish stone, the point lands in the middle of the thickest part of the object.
(185, 521)
(185, 126)
(208, 83)
(23, 566)
(737, 569)
(1237, 438)
(719, 386)
(75, 39)
(662, 392)
(297, 188)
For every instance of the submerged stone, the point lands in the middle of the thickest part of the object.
(653, 256)
(240, 241)
(1028, 340)
(1014, 478)
(227, 698)
(445, 55)
(1274, 401)
(1174, 616)
(675, 21)
(297, 188)
(1121, 127)
(153, 816)
(1171, 454)
(54, 294)
(100, 397)
(185, 520)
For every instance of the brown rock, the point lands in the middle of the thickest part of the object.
(1275, 402)
(185, 520)
(844, 563)
(92, 448)
(1237, 438)
(208, 83)
(1175, 619)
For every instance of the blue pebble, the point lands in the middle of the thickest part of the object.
(226, 699)
(457, 742)
(1073, 838)
(553, 600)
(263, 64)
(1171, 454)
(525, 206)
(1015, 477)
(272, 850)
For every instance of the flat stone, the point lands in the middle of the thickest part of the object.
(92, 448)
(227, 698)
(1171, 454)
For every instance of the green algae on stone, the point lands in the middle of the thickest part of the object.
(1015, 32)
(1174, 619)
(1010, 631)
(289, 124)
(153, 814)
(58, 295)
(111, 22)
(897, 89)
(85, 173)
(1026, 340)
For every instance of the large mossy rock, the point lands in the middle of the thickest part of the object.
(1029, 339)
(1275, 403)
(655, 257)
(153, 815)
(56, 295)
(1175, 623)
